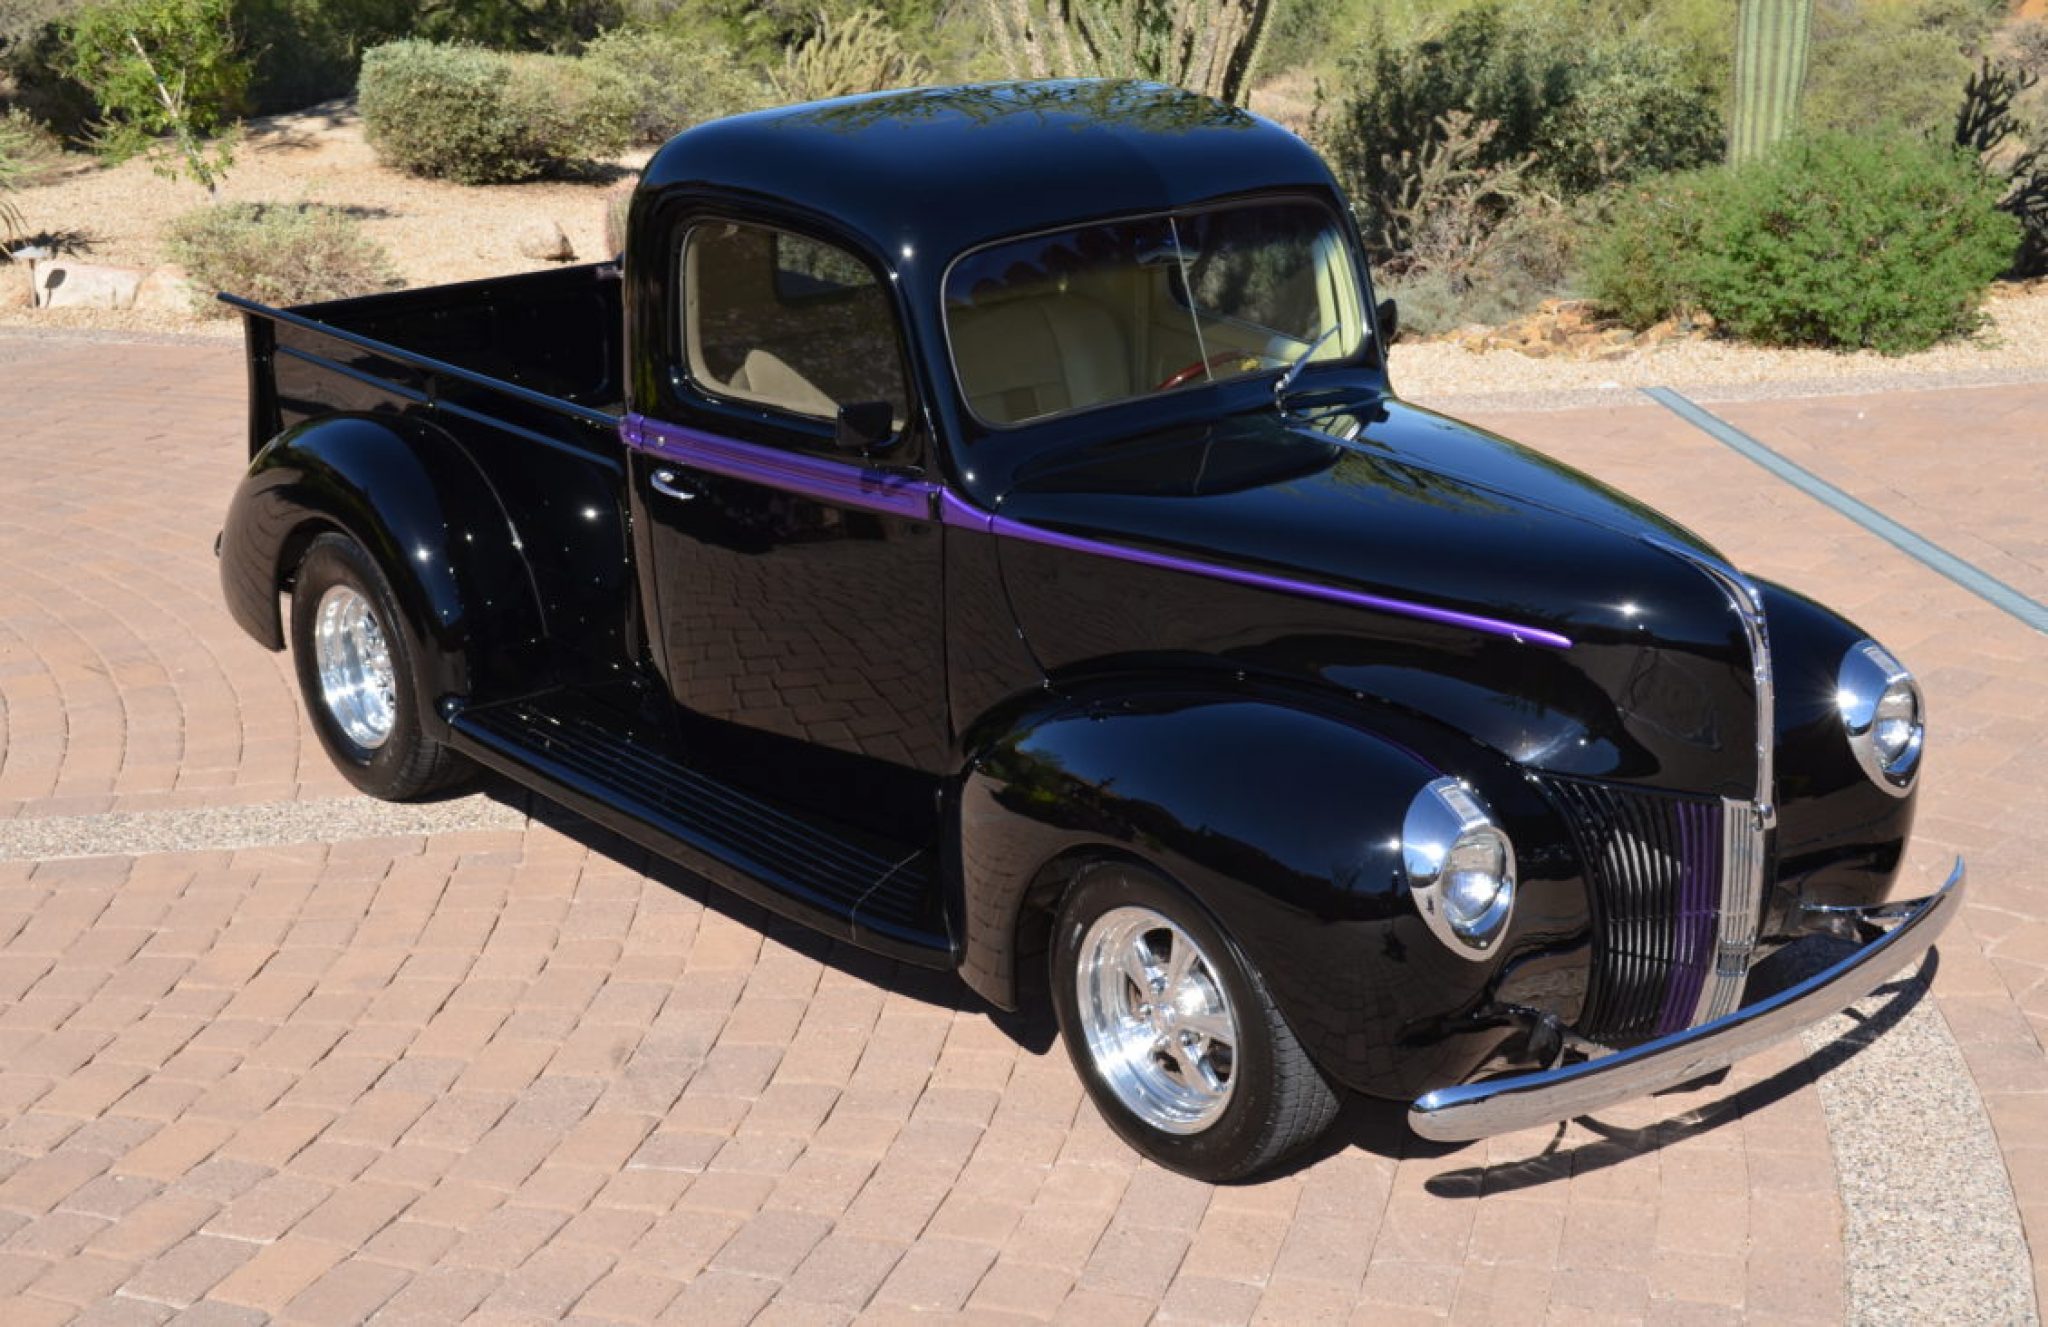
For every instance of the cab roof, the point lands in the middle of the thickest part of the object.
(938, 170)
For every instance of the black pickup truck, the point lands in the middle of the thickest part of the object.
(977, 523)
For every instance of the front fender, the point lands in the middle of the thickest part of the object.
(412, 497)
(1283, 817)
(1840, 837)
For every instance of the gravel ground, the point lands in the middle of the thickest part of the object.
(2013, 347)
(434, 231)
(1932, 1231)
(261, 824)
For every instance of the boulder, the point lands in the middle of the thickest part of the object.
(167, 289)
(64, 284)
(545, 241)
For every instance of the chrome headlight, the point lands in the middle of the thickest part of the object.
(1883, 715)
(1461, 868)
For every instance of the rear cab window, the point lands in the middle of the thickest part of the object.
(778, 320)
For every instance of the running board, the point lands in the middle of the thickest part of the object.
(586, 757)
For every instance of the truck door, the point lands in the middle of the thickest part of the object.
(796, 601)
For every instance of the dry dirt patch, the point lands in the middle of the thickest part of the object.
(434, 231)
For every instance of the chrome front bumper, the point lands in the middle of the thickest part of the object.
(1502, 1105)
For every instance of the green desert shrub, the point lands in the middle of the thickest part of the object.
(28, 150)
(481, 117)
(671, 82)
(1582, 114)
(32, 63)
(162, 72)
(12, 171)
(1848, 241)
(278, 253)
(1630, 112)
(1893, 62)
(307, 51)
(1637, 265)
(515, 25)
(1697, 33)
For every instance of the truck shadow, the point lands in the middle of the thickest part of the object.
(1032, 1032)
(1617, 1144)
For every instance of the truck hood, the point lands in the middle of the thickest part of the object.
(1398, 503)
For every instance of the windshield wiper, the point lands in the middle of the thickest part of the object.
(1301, 362)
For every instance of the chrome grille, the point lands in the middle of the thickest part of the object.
(1656, 865)
(1742, 896)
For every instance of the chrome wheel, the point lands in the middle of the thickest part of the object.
(354, 662)
(1158, 1023)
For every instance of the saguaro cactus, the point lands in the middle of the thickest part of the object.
(1770, 69)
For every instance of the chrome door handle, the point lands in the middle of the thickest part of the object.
(669, 484)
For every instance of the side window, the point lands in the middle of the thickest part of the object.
(776, 319)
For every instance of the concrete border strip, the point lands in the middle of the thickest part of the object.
(252, 825)
(1932, 1231)
(1970, 577)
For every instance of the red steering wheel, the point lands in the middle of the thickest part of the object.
(1200, 366)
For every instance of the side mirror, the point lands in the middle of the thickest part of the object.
(865, 427)
(1390, 320)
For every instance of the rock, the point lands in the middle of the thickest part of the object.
(1658, 333)
(1536, 350)
(544, 240)
(1614, 352)
(63, 284)
(167, 289)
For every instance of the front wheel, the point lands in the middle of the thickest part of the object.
(1173, 1031)
(355, 667)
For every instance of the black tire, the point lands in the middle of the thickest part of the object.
(1278, 1101)
(407, 763)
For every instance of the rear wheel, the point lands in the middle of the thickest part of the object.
(355, 666)
(1173, 1031)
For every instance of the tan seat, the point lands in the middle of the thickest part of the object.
(1039, 355)
(766, 379)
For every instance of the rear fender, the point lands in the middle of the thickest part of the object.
(414, 499)
(1283, 818)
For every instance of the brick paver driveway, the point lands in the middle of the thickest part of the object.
(267, 1049)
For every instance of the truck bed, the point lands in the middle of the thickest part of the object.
(523, 374)
(533, 351)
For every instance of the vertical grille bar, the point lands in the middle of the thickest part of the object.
(1654, 873)
(1694, 926)
(1742, 888)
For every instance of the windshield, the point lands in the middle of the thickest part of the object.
(1107, 313)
